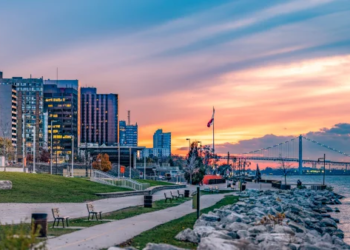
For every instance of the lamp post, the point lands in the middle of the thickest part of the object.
(130, 162)
(324, 167)
(51, 148)
(189, 144)
(72, 173)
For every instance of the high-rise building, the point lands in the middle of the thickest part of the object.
(128, 134)
(122, 133)
(61, 102)
(8, 113)
(99, 117)
(162, 140)
(29, 113)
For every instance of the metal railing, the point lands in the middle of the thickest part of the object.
(107, 179)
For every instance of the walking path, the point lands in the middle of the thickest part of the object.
(17, 212)
(109, 234)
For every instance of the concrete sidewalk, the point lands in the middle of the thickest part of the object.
(17, 212)
(109, 234)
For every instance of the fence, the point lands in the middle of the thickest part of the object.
(107, 179)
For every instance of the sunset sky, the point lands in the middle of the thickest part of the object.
(272, 69)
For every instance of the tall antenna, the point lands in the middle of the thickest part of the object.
(129, 117)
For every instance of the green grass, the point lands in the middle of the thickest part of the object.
(116, 215)
(153, 183)
(166, 233)
(36, 188)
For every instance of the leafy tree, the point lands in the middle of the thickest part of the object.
(102, 163)
(7, 150)
(44, 156)
(285, 168)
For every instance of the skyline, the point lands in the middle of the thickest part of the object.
(267, 68)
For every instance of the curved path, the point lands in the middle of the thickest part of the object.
(109, 234)
(17, 212)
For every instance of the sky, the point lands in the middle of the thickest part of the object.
(272, 69)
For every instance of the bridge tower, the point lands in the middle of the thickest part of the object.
(300, 155)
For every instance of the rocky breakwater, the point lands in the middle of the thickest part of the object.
(295, 219)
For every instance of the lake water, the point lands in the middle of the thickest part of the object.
(341, 185)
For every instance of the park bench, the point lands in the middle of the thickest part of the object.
(167, 198)
(179, 194)
(91, 211)
(57, 217)
(174, 196)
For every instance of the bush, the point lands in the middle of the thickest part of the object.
(20, 237)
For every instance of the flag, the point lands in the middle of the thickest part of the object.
(211, 120)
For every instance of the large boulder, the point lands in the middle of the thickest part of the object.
(152, 246)
(187, 235)
(327, 222)
(5, 185)
(283, 229)
(236, 226)
(203, 231)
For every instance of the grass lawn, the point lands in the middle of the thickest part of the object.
(153, 183)
(116, 215)
(166, 233)
(42, 188)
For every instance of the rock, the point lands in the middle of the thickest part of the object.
(210, 218)
(217, 244)
(243, 234)
(152, 246)
(294, 246)
(236, 226)
(339, 233)
(327, 222)
(187, 235)
(336, 210)
(329, 230)
(118, 248)
(327, 238)
(225, 235)
(203, 231)
(257, 229)
(5, 185)
(283, 229)
(336, 201)
(297, 228)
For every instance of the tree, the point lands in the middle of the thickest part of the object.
(29, 158)
(102, 163)
(44, 156)
(7, 150)
(195, 170)
(285, 167)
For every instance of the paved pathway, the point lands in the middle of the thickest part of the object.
(109, 234)
(17, 212)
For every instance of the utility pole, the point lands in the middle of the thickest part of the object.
(129, 117)
(51, 147)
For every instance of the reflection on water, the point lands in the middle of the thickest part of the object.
(341, 185)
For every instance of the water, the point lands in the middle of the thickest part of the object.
(341, 185)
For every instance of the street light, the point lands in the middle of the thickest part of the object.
(324, 167)
(72, 173)
(51, 148)
(189, 143)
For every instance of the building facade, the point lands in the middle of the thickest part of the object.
(99, 117)
(162, 140)
(29, 114)
(8, 113)
(61, 102)
(128, 134)
(156, 152)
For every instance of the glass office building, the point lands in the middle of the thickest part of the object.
(99, 117)
(128, 134)
(162, 140)
(61, 102)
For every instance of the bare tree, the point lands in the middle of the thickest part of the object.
(191, 166)
(285, 167)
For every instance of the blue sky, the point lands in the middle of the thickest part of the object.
(269, 67)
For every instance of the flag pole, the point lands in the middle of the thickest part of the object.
(213, 132)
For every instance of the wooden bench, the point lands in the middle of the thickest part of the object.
(174, 196)
(167, 198)
(91, 210)
(57, 217)
(179, 194)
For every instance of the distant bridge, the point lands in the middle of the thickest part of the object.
(286, 151)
